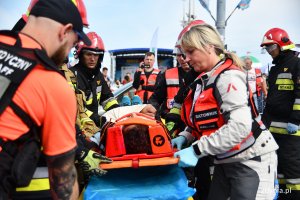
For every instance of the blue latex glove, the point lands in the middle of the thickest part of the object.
(292, 128)
(178, 142)
(187, 156)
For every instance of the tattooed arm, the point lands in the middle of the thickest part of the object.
(63, 176)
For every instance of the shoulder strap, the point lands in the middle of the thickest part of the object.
(22, 114)
(228, 65)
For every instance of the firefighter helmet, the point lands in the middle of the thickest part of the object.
(97, 45)
(177, 49)
(277, 36)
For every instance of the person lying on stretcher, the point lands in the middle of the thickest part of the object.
(135, 136)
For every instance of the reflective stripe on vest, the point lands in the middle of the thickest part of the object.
(207, 117)
(98, 90)
(285, 81)
(147, 82)
(40, 181)
(89, 99)
(280, 128)
(296, 105)
(172, 83)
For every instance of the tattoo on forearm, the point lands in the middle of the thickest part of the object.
(62, 176)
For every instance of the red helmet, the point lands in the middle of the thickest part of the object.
(81, 8)
(78, 3)
(278, 36)
(96, 47)
(177, 49)
(25, 16)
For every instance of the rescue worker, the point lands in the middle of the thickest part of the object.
(256, 83)
(31, 114)
(145, 77)
(282, 111)
(173, 120)
(90, 79)
(216, 109)
(87, 136)
(199, 177)
(168, 86)
(87, 132)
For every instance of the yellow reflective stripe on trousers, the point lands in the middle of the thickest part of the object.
(36, 185)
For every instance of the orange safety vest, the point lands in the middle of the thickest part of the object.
(36, 180)
(172, 82)
(207, 117)
(147, 82)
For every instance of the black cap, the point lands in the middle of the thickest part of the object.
(62, 11)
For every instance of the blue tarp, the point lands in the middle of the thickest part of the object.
(159, 183)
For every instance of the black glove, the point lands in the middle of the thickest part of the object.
(142, 82)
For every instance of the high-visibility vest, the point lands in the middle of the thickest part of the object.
(172, 82)
(147, 82)
(207, 117)
(259, 79)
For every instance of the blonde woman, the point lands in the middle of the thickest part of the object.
(221, 114)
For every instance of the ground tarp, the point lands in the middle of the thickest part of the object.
(159, 183)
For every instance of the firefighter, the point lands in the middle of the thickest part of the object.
(31, 114)
(145, 77)
(282, 111)
(168, 85)
(173, 121)
(216, 111)
(90, 79)
(87, 137)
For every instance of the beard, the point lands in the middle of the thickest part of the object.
(59, 56)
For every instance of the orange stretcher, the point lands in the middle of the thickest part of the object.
(162, 153)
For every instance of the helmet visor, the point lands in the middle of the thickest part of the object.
(270, 48)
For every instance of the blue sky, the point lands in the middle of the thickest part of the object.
(131, 23)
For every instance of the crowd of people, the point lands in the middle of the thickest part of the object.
(236, 132)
